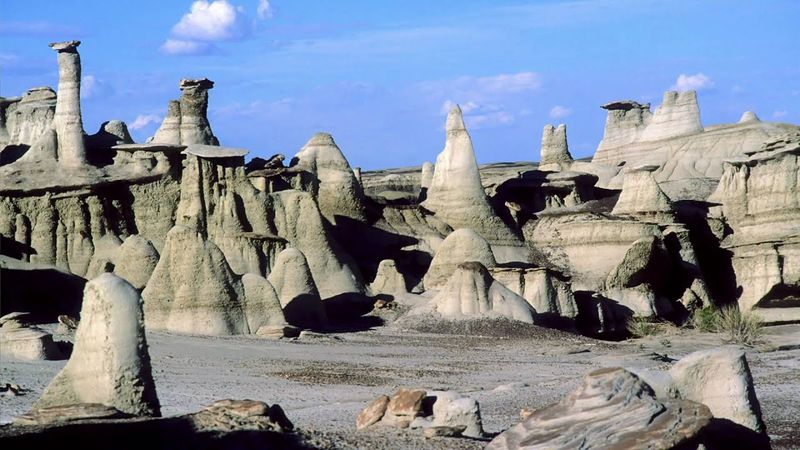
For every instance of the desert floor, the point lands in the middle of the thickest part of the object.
(324, 380)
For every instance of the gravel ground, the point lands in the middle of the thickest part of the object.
(323, 381)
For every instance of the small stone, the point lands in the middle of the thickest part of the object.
(406, 402)
(372, 413)
(444, 431)
(525, 412)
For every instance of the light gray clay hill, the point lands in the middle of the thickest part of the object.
(496, 302)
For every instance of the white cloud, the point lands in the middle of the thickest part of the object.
(92, 87)
(143, 120)
(264, 10)
(558, 112)
(466, 108)
(780, 114)
(696, 82)
(489, 120)
(180, 47)
(212, 22)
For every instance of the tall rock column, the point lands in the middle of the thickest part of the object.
(67, 120)
(195, 128)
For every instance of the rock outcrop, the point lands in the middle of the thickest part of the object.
(471, 293)
(677, 115)
(612, 409)
(109, 363)
(23, 119)
(339, 192)
(641, 197)
(760, 201)
(543, 289)
(186, 121)
(555, 154)
(459, 247)
(388, 280)
(297, 290)
(457, 197)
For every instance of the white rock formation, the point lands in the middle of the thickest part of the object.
(339, 192)
(541, 288)
(555, 154)
(641, 197)
(457, 197)
(20, 340)
(749, 116)
(136, 260)
(760, 200)
(472, 293)
(24, 119)
(459, 247)
(677, 115)
(624, 124)
(109, 363)
(186, 121)
(426, 178)
(388, 280)
(67, 120)
(297, 291)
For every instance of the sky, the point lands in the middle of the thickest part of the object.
(380, 75)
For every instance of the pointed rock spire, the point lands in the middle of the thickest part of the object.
(68, 122)
(749, 116)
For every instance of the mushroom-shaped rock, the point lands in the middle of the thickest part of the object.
(457, 197)
(458, 247)
(388, 280)
(339, 192)
(555, 154)
(642, 197)
(186, 121)
(611, 409)
(136, 260)
(109, 363)
(297, 291)
(472, 293)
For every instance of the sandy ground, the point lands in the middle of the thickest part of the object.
(323, 381)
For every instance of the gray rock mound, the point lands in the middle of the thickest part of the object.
(297, 291)
(109, 363)
(459, 247)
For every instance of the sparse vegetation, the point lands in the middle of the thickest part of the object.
(643, 326)
(705, 319)
(743, 328)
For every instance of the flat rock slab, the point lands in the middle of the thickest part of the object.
(214, 151)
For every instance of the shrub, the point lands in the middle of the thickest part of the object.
(642, 327)
(705, 319)
(743, 328)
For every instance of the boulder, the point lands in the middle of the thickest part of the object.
(721, 380)
(404, 405)
(27, 343)
(373, 412)
(109, 362)
(611, 409)
(452, 410)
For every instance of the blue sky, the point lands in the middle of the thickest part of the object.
(380, 75)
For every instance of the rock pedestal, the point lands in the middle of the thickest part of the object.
(67, 120)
